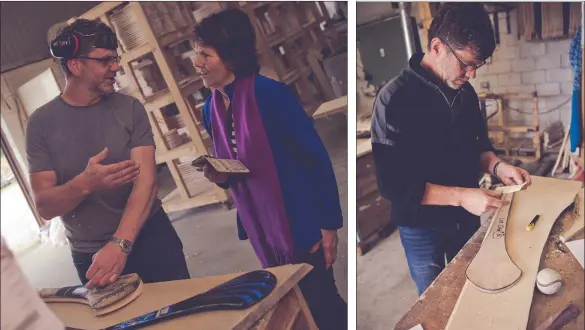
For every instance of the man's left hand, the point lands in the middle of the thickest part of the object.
(329, 246)
(107, 265)
(512, 175)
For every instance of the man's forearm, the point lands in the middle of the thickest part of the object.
(442, 195)
(60, 200)
(487, 160)
(136, 211)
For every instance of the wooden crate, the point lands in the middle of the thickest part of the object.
(508, 138)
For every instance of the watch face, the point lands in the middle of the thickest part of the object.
(126, 245)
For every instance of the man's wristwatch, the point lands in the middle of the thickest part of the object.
(123, 243)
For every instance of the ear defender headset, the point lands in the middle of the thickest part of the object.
(69, 45)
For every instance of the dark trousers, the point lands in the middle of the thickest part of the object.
(427, 248)
(319, 290)
(156, 256)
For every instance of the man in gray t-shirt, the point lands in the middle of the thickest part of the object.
(91, 161)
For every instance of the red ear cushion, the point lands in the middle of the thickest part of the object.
(76, 44)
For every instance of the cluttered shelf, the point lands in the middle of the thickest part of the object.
(291, 36)
(186, 149)
(202, 193)
(135, 53)
(514, 129)
(156, 60)
(173, 37)
(164, 97)
(99, 10)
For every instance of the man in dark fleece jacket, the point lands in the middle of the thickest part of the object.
(430, 143)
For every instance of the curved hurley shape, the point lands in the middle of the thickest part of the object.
(492, 270)
(238, 293)
(101, 300)
(510, 308)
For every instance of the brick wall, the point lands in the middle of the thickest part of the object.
(520, 66)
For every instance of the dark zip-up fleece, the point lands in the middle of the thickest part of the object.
(425, 133)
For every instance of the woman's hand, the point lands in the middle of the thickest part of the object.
(329, 246)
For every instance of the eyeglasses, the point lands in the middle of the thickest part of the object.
(107, 61)
(464, 66)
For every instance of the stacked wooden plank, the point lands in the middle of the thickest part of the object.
(127, 30)
(552, 20)
(373, 211)
(173, 139)
(194, 180)
(526, 21)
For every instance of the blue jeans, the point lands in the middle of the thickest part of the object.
(427, 248)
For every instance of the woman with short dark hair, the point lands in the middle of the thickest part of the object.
(288, 205)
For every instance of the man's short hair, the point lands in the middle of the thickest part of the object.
(232, 36)
(464, 25)
(85, 27)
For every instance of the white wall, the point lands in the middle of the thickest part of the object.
(11, 80)
(518, 66)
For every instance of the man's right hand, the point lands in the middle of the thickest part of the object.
(102, 177)
(212, 175)
(479, 201)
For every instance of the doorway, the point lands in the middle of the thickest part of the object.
(19, 225)
(383, 49)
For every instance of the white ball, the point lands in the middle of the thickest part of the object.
(548, 281)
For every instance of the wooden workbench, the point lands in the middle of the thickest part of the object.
(329, 108)
(373, 211)
(284, 308)
(433, 309)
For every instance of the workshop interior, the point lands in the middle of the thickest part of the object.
(189, 165)
(153, 68)
(523, 267)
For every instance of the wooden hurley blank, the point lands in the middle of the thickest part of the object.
(509, 309)
(492, 270)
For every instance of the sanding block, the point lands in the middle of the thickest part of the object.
(101, 300)
(511, 189)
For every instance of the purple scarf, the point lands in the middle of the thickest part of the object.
(257, 195)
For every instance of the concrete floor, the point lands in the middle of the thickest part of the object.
(18, 226)
(208, 234)
(385, 290)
